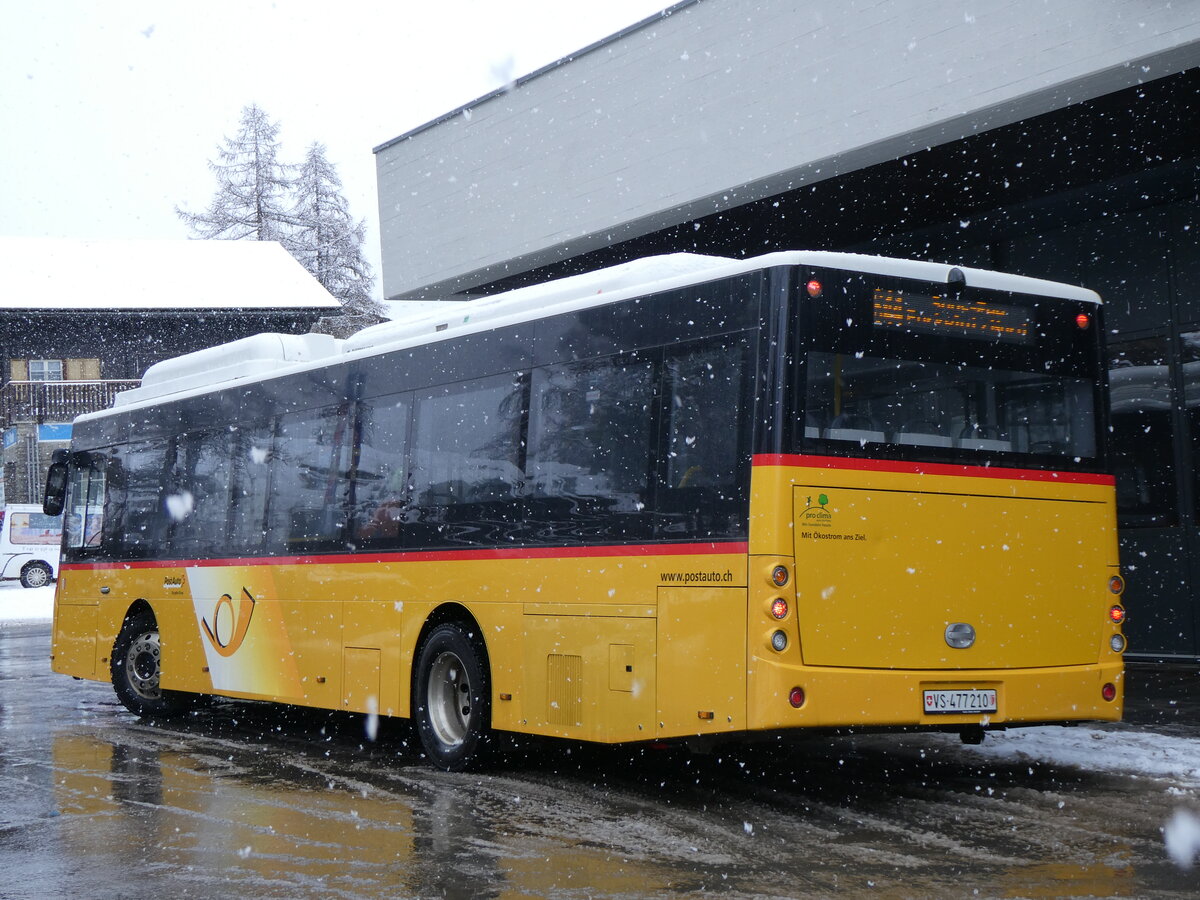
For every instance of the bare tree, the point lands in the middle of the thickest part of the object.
(250, 202)
(328, 241)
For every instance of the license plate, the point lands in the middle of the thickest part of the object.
(960, 702)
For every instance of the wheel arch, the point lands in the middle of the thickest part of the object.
(136, 608)
(453, 612)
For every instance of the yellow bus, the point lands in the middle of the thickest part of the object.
(684, 497)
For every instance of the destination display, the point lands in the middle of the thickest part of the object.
(939, 314)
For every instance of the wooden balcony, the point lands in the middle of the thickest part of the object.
(56, 401)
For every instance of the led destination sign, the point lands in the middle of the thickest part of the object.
(938, 314)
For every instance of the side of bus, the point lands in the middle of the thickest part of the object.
(542, 528)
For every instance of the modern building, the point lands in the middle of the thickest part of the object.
(1054, 139)
(81, 321)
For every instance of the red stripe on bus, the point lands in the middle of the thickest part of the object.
(799, 460)
(600, 552)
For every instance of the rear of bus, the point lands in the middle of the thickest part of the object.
(936, 544)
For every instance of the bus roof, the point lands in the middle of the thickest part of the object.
(270, 355)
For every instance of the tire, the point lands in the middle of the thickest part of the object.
(36, 575)
(136, 668)
(452, 698)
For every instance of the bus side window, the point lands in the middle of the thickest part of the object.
(252, 447)
(466, 461)
(591, 442)
(310, 477)
(705, 414)
(198, 499)
(381, 477)
(138, 473)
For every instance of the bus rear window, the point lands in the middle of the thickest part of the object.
(855, 399)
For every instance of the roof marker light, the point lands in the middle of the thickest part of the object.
(814, 288)
(1083, 321)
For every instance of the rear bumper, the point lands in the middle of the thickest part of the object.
(837, 697)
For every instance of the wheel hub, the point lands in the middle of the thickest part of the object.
(143, 665)
(449, 699)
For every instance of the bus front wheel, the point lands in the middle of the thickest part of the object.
(452, 698)
(136, 668)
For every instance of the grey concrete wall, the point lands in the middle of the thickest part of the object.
(726, 101)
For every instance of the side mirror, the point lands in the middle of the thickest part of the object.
(56, 488)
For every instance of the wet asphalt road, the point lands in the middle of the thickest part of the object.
(252, 801)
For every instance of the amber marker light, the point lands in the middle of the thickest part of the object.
(796, 697)
(1083, 321)
(779, 576)
(1116, 584)
(1116, 614)
(814, 288)
(779, 608)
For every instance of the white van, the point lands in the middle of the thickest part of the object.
(29, 545)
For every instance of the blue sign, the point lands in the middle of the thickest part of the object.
(53, 432)
(10, 437)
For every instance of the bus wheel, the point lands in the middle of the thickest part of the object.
(137, 670)
(36, 575)
(452, 698)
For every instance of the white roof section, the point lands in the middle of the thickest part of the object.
(67, 274)
(257, 356)
(270, 355)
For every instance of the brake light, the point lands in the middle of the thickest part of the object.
(1116, 614)
(779, 608)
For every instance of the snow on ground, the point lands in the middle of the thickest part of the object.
(18, 604)
(1101, 749)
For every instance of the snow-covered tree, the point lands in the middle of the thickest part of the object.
(329, 243)
(259, 198)
(253, 186)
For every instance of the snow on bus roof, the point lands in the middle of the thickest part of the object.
(269, 356)
(66, 274)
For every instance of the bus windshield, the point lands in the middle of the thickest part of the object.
(988, 375)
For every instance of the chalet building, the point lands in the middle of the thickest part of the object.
(1057, 140)
(81, 321)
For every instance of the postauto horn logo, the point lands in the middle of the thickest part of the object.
(229, 625)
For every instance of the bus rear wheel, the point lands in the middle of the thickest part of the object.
(136, 667)
(452, 698)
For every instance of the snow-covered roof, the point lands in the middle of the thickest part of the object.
(61, 274)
